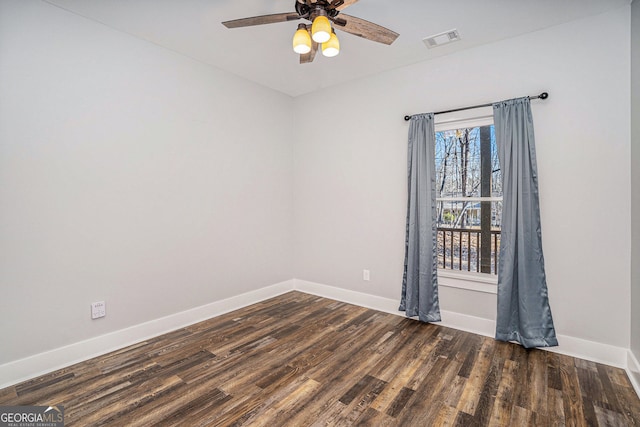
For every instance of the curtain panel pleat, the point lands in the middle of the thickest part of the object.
(523, 314)
(420, 279)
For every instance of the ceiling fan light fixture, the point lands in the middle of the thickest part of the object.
(331, 47)
(302, 40)
(317, 32)
(321, 29)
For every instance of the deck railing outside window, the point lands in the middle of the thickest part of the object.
(461, 249)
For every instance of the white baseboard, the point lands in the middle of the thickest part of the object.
(23, 369)
(590, 350)
(570, 346)
(633, 371)
(374, 302)
(450, 319)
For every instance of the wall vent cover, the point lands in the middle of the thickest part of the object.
(441, 38)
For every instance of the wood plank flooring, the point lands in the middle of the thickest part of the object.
(302, 360)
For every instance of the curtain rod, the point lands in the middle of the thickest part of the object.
(543, 95)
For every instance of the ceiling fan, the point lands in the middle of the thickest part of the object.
(321, 13)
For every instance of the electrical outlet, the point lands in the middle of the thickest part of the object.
(98, 309)
(365, 275)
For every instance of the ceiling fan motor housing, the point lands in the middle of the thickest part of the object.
(310, 10)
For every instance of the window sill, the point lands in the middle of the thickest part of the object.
(478, 282)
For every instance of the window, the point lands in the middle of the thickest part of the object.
(468, 197)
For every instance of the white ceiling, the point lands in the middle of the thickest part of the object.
(263, 54)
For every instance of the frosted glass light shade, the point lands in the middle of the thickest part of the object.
(321, 29)
(331, 47)
(301, 41)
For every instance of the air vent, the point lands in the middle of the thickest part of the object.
(442, 38)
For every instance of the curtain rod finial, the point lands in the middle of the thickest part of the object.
(407, 118)
(543, 95)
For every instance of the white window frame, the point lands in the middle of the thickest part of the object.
(469, 280)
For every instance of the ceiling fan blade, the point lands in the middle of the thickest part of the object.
(307, 58)
(365, 29)
(261, 20)
(346, 4)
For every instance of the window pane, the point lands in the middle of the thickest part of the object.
(468, 231)
(458, 163)
(460, 247)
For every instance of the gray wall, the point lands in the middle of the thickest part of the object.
(129, 174)
(635, 179)
(350, 186)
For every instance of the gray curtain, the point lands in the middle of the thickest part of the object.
(420, 280)
(523, 314)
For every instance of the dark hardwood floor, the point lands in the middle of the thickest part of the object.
(302, 360)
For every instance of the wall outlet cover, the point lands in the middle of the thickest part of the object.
(98, 309)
